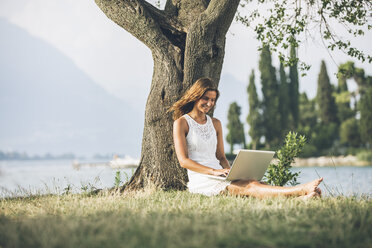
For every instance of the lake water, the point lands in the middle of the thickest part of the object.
(57, 176)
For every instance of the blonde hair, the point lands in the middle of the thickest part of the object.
(187, 101)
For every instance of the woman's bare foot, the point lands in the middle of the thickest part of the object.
(319, 192)
(312, 186)
(308, 196)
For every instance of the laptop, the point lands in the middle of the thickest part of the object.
(248, 165)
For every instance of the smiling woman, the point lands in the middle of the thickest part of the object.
(198, 142)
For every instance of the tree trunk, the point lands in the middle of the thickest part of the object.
(187, 41)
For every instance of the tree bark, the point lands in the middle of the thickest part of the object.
(187, 41)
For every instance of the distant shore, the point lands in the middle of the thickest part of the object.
(323, 161)
(348, 160)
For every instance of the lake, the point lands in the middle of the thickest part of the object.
(19, 178)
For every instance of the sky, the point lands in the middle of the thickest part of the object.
(122, 65)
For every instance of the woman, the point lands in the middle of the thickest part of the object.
(199, 147)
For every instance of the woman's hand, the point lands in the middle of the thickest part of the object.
(221, 172)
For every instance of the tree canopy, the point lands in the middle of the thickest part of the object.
(282, 24)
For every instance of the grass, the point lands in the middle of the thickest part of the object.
(180, 219)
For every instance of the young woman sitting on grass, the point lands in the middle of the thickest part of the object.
(199, 147)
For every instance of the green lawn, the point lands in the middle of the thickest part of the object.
(181, 219)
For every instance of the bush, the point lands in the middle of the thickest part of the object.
(309, 151)
(349, 133)
(280, 174)
(365, 156)
(324, 136)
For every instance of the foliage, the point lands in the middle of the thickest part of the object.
(230, 156)
(235, 128)
(293, 90)
(284, 102)
(280, 174)
(270, 101)
(254, 118)
(308, 117)
(285, 23)
(343, 96)
(365, 156)
(345, 71)
(67, 189)
(117, 179)
(349, 133)
(309, 150)
(344, 110)
(327, 108)
(366, 115)
(324, 136)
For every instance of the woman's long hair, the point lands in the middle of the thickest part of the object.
(187, 101)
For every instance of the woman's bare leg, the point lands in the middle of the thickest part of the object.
(259, 190)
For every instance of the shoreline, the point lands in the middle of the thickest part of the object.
(324, 161)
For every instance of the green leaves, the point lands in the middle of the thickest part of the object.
(117, 179)
(280, 174)
(235, 127)
(281, 24)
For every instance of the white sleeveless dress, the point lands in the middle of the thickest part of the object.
(202, 145)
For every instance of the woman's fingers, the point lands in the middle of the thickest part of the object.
(226, 171)
(222, 172)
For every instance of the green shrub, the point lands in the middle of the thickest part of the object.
(365, 156)
(280, 174)
(349, 133)
(324, 136)
(308, 151)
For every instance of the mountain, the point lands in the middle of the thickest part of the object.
(47, 104)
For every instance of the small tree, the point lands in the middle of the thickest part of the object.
(344, 111)
(284, 102)
(254, 118)
(323, 137)
(280, 174)
(293, 89)
(270, 101)
(349, 133)
(307, 123)
(326, 103)
(235, 128)
(365, 106)
(308, 117)
(343, 96)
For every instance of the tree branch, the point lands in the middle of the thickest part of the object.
(142, 20)
(221, 13)
(208, 31)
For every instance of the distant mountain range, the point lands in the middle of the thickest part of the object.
(47, 104)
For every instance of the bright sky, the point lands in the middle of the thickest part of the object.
(122, 65)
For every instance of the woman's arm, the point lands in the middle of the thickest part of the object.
(220, 152)
(180, 130)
